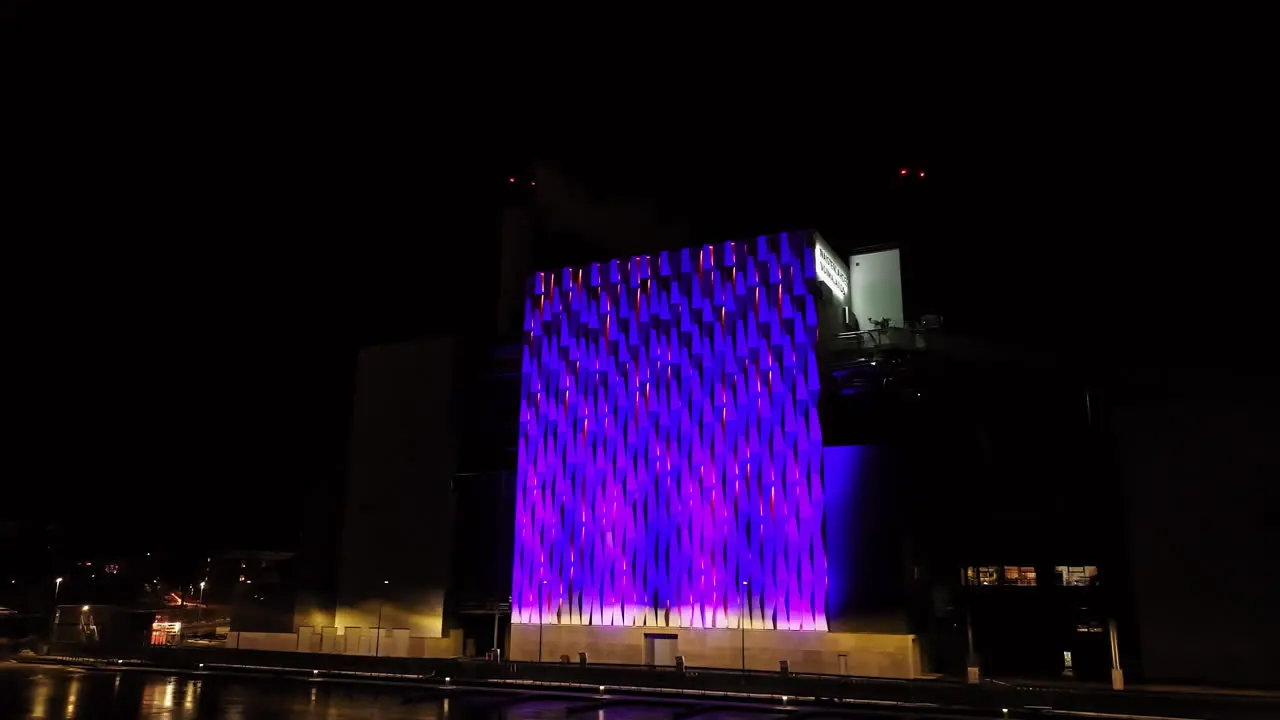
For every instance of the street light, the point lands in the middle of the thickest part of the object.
(971, 658)
(53, 625)
(540, 601)
(1117, 675)
(200, 610)
(377, 643)
(742, 623)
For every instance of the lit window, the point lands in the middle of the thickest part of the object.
(1019, 575)
(988, 575)
(1076, 575)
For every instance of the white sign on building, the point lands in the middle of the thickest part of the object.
(832, 271)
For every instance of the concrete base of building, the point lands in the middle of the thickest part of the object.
(866, 654)
(350, 641)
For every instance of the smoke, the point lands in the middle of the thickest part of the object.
(617, 227)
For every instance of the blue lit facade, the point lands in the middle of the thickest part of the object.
(670, 450)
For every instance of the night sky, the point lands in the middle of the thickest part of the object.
(207, 215)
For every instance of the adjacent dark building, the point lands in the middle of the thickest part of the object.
(393, 533)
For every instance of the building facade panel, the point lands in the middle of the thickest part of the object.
(670, 452)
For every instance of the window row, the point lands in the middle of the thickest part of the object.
(1025, 575)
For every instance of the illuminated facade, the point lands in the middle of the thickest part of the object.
(670, 451)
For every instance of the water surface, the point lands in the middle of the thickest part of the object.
(37, 691)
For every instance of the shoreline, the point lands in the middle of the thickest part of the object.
(603, 685)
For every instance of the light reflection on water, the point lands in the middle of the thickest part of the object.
(73, 695)
(31, 691)
(40, 691)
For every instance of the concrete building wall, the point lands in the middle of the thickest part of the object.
(397, 527)
(395, 642)
(868, 654)
(1199, 452)
(876, 288)
(274, 642)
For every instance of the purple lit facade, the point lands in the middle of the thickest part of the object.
(670, 454)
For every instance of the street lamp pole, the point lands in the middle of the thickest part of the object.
(53, 619)
(540, 602)
(377, 643)
(200, 610)
(1117, 675)
(742, 623)
(496, 616)
(971, 662)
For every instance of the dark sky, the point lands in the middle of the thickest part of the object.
(207, 214)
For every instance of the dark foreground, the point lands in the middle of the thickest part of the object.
(36, 690)
(50, 691)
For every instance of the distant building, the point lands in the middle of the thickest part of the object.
(258, 589)
(394, 532)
